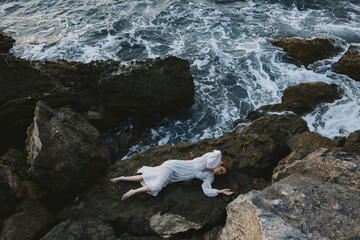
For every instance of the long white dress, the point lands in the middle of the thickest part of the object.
(172, 171)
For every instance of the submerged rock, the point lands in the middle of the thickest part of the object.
(297, 207)
(349, 63)
(90, 229)
(28, 223)
(308, 51)
(65, 152)
(328, 165)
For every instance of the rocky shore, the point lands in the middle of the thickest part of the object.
(289, 182)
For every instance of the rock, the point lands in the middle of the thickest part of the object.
(127, 139)
(31, 221)
(253, 154)
(17, 174)
(349, 63)
(297, 207)
(107, 91)
(304, 97)
(6, 42)
(308, 51)
(352, 143)
(308, 140)
(7, 196)
(327, 165)
(65, 152)
(90, 229)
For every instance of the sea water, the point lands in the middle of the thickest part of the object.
(228, 45)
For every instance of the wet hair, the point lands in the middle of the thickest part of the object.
(226, 165)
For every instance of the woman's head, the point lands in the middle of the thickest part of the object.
(223, 168)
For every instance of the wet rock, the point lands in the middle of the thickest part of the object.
(304, 97)
(28, 223)
(65, 152)
(7, 196)
(6, 42)
(349, 63)
(353, 143)
(297, 207)
(327, 165)
(127, 139)
(308, 140)
(90, 229)
(308, 51)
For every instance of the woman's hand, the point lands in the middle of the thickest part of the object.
(225, 191)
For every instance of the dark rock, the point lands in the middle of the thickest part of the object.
(339, 142)
(349, 63)
(127, 139)
(6, 42)
(107, 91)
(324, 164)
(308, 51)
(353, 143)
(31, 220)
(90, 229)
(304, 97)
(297, 207)
(64, 151)
(308, 140)
(7, 196)
(17, 172)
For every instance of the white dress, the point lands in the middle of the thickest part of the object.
(172, 171)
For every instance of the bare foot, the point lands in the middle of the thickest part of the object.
(115, 180)
(128, 194)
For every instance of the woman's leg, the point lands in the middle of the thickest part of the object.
(136, 178)
(132, 192)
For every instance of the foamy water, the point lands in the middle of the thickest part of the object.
(234, 64)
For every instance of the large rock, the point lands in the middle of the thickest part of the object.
(7, 196)
(29, 223)
(328, 165)
(106, 91)
(65, 152)
(349, 63)
(352, 143)
(308, 51)
(89, 229)
(297, 207)
(6, 42)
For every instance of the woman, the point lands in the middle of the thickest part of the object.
(153, 179)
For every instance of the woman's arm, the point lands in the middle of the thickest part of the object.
(213, 192)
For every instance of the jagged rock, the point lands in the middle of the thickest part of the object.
(352, 143)
(108, 91)
(6, 42)
(308, 51)
(7, 196)
(32, 219)
(90, 229)
(297, 207)
(308, 140)
(65, 152)
(327, 165)
(17, 173)
(349, 63)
